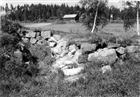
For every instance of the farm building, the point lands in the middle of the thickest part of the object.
(71, 18)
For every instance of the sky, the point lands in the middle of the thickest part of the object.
(69, 2)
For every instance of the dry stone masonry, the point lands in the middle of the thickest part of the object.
(70, 58)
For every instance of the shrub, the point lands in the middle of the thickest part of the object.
(125, 42)
(14, 73)
(40, 51)
(8, 41)
(9, 27)
(95, 39)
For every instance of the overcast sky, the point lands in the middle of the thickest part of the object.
(69, 2)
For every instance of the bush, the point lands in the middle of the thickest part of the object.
(95, 39)
(9, 27)
(8, 41)
(125, 42)
(14, 73)
(40, 51)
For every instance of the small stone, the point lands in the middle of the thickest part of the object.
(38, 34)
(106, 68)
(38, 38)
(132, 49)
(41, 64)
(25, 40)
(30, 34)
(52, 44)
(87, 47)
(120, 50)
(33, 40)
(72, 48)
(51, 39)
(42, 42)
(18, 55)
(113, 45)
(74, 78)
(73, 71)
(46, 34)
(82, 59)
(57, 37)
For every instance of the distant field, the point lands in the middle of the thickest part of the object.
(116, 29)
(34, 25)
(75, 28)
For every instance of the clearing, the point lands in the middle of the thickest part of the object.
(115, 28)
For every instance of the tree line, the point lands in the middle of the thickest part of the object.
(41, 12)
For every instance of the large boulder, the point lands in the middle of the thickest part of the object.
(104, 55)
(46, 34)
(132, 49)
(87, 47)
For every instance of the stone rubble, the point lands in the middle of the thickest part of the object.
(71, 58)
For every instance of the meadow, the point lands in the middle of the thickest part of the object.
(114, 28)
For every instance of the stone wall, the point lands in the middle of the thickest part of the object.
(71, 58)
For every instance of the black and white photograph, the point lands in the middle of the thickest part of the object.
(69, 48)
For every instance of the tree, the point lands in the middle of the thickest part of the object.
(138, 25)
(6, 8)
(12, 8)
(115, 12)
(131, 15)
(93, 7)
(59, 14)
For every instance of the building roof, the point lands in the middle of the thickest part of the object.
(70, 16)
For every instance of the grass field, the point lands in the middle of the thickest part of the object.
(114, 28)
